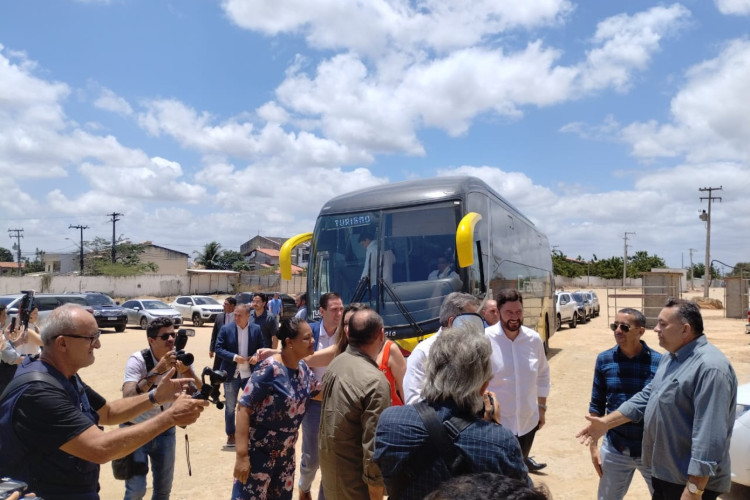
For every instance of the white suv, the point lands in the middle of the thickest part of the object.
(198, 308)
(567, 310)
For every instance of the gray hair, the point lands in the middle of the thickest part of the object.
(457, 367)
(61, 321)
(454, 304)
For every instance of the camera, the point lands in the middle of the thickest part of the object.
(210, 391)
(9, 486)
(180, 342)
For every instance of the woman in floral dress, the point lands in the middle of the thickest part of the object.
(269, 414)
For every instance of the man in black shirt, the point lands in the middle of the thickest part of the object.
(49, 427)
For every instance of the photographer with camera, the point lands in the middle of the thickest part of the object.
(49, 419)
(144, 369)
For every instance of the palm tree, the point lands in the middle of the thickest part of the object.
(209, 258)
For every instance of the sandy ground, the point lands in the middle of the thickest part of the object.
(569, 474)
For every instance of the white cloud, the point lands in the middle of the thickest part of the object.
(734, 7)
(382, 26)
(627, 43)
(708, 115)
(110, 101)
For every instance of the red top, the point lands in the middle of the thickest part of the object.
(395, 400)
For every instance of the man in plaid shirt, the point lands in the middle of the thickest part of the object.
(620, 373)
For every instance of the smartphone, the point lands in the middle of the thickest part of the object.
(12, 324)
(10, 486)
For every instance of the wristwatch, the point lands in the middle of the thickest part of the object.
(693, 489)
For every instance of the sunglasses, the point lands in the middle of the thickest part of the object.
(165, 336)
(622, 326)
(472, 319)
(91, 338)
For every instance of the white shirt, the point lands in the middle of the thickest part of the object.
(324, 340)
(135, 370)
(243, 342)
(414, 376)
(520, 374)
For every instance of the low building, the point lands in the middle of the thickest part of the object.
(265, 245)
(61, 263)
(169, 261)
(9, 268)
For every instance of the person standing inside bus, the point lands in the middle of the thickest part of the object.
(520, 377)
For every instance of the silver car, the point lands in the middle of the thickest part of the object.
(143, 311)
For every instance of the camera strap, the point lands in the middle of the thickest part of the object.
(187, 453)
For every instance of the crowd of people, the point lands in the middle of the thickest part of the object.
(456, 419)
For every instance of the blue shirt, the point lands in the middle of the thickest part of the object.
(688, 413)
(275, 306)
(490, 447)
(617, 378)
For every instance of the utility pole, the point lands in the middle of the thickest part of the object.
(706, 217)
(692, 271)
(17, 245)
(114, 219)
(71, 226)
(625, 258)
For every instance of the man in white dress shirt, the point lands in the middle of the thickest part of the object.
(454, 305)
(521, 379)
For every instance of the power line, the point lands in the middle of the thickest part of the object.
(17, 245)
(114, 219)
(707, 218)
(71, 226)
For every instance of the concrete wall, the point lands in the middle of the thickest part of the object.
(157, 285)
(586, 282)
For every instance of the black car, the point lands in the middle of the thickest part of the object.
(106, 311)
(287, 302)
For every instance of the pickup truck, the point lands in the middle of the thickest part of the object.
(567, 310)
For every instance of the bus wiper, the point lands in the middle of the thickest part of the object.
(362, 287)
(385, 286)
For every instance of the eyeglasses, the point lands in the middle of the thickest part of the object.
(622, 326)
(472, 319)
(92, 339)
(165, 336)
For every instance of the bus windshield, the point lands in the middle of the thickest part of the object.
(394, 260)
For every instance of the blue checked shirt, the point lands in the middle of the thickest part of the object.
(616, 379)
(490, 447)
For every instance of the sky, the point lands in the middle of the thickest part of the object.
(204, 120)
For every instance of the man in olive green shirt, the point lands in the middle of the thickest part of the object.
(355, 393)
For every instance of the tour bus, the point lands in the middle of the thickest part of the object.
(402, 247)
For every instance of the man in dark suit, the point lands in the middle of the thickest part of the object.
(222, 319)
(236, 345)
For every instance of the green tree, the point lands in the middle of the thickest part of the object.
(700, 269)
(607, 268)
(36, 265)
(6, 255)
(563, 266)
(229, 258)
(210, 257)
(741, 269)
(642, 262)
(127, 258)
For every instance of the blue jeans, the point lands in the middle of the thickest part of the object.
(160, 451)
(232, 389)
(310, 462)
(617, 472)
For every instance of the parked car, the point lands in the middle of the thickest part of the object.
(584, 306)
(107, 312)
(567, 310)
(593, 300)
(197, 308)
(287, 302)
(740, 443)
(45, 302)
(141, 312)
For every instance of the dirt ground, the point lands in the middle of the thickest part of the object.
(569, 474)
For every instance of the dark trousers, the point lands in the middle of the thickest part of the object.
(671, 491)
(526, 441)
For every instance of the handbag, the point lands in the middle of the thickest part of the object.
(126, 467)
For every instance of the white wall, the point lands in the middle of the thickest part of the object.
(157, 285)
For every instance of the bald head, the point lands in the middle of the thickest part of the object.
(66, 320)
(365, 327)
